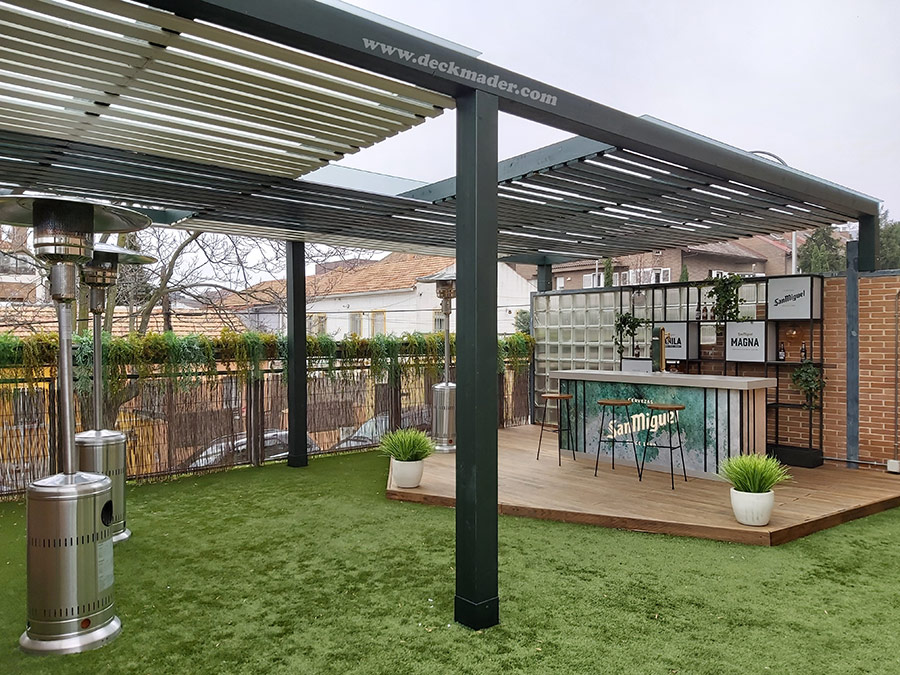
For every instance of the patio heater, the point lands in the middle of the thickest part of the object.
(71, 607)
(103, 450)
(443, 414)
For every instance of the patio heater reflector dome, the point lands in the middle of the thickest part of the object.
(443, 412)
(71, 606)
(103, 450)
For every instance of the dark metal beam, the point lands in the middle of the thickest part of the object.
(545, 278)
(852, 354)
(345, 37)
(296, 365)
(869, 243)
(477, 602)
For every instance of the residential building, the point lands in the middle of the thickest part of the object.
(382, 297)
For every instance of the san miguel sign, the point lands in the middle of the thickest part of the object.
(745, 341)
(795, 297)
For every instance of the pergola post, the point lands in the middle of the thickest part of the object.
(296, 365)
(869, 243)
(545, 278)
(853, 265)
(477, 603)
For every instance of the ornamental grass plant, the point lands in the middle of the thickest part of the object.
(406, 445)
(754, 473)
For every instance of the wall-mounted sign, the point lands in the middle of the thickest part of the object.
(795, 297)
(676, 340)
(745, 341)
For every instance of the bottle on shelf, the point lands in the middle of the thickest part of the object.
(697, 313)
(803, 351)
(705, 313)
(782, 355)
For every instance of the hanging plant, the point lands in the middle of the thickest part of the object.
(807, 377)
(725, 296)
(624, 329)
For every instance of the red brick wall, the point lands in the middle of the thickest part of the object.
(876, 367)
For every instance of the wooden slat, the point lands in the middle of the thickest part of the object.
(815, 500)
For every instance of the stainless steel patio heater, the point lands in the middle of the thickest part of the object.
(103, 450)
(71, 607)
(443, 412)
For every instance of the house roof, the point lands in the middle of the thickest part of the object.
(727, 249)
(24, 320)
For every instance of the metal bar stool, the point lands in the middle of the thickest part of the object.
(666, 408)
(612, 404)
(560, 398)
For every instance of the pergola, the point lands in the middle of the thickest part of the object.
(206, 114)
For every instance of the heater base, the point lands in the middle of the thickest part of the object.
(441, 447)
(124, 535)
(73, 644)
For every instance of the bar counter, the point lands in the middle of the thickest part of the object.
(723, 415)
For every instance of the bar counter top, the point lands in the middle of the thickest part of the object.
(668, 379)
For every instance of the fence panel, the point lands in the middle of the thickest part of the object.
(173, 428)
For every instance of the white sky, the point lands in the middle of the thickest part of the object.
(817, 82)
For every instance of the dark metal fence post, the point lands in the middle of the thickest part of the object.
(477, 604)
(296, 365)
(852, 354)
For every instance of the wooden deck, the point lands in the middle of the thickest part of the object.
(815, 500)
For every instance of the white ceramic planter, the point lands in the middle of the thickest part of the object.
(407, 474)
(752, 508)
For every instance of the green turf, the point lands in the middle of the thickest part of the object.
(280, 570)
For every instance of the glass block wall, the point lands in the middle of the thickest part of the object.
(573, 330)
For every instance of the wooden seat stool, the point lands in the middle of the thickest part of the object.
(666, 408)
(612, 404)
(561, 399)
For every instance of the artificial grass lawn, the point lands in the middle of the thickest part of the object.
(279, 570)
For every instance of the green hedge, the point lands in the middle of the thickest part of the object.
(193, 356)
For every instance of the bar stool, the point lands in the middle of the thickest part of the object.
(666, 408)
(561, 399)
(612, 404)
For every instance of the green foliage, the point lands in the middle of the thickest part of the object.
(608, 272)
(807, 377)
(406, 445)
(514, 352)
(754, 473)
(889, 255)
(625, 328)
(821, 253)
(685, 275)
(725, 296)
(522, 321)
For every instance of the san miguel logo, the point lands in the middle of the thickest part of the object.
(789, 297)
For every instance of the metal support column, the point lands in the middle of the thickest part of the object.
(296, 365)
(852, 354)
(869, 243)
(545, 278)
(477, 603)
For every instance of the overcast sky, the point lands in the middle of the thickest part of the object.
(817, 82)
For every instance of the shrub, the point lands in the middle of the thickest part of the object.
(406, 445)
(754, 473)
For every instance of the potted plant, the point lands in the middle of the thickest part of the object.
(808, 379)
(407, 449)
(724, 293)
(625, 328)
(752, 478)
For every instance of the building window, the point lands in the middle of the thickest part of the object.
(10, 264)
(589, 281)
(560, 283)
(356, 323)
(649, 275)
(438, 321)
(29, 407)
(231, 393)
(378, 323)
(615, 279)
(316, 324)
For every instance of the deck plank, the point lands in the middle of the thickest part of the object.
(816, 499)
